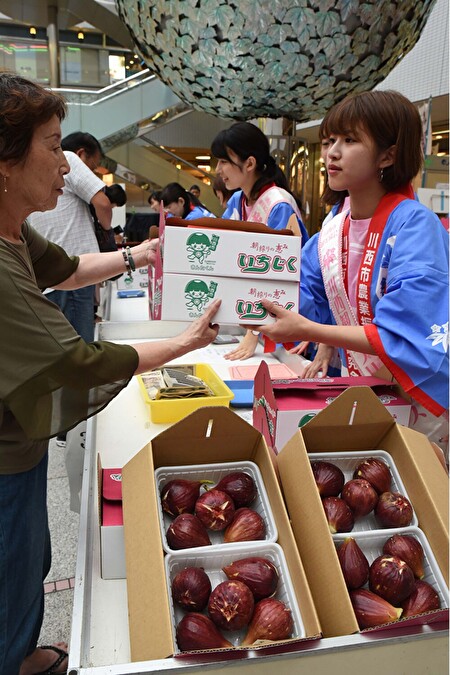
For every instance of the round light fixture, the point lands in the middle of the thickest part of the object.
(242, 59)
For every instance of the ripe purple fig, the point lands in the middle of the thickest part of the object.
(360, 496)
(191, 589)
(423, 599)
(240, 486)
(179, 495)
(230, 605)
(186, 531)
(259, 574)
(409, 549)
(215, 509)
(247, 525)
(391, 578)
(329, 478)
(376, 472)
(339, 515)
(393, 510)
(371, 610)
(271, 620)
(354, 564)
(197, 631)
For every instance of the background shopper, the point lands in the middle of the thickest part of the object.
(183, 204)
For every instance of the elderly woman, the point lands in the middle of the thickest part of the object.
(44, 362)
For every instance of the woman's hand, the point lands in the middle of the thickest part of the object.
(144, 254)
(288, 327)
(246, 348)
(198, 334)
(300, 348)
(201, 332)
(320, 362)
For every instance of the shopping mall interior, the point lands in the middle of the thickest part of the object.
(150, 137)
(153, 138)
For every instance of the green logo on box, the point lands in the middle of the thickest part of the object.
(199, 246)
(198, 294)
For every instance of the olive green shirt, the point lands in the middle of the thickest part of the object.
(50, 379)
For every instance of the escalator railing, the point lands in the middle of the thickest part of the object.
(108, 111)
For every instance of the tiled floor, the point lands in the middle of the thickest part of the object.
(64, 534)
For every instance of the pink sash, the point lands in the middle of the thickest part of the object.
(260, 211)
(333, 274)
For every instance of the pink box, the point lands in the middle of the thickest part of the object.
(112, 544)
(281, 407)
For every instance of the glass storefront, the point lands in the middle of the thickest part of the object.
(29, 59)
(80, 66)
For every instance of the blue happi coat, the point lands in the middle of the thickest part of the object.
(409, 296)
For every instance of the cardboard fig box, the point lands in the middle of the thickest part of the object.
(209, 435)
(281, 406)
(356, 420)
(216, 252)
(184, 297)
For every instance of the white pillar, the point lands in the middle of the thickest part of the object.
(53, 45)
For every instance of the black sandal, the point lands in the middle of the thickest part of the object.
(61, 656)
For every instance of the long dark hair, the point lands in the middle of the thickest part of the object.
(247, 140)
(389, 118)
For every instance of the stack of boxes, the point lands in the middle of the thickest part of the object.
(196, 265)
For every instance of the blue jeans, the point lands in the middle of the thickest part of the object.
(78, 308)
(25, 560)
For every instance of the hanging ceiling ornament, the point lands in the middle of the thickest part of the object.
(272, 58)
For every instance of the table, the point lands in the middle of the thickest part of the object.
(99, 641)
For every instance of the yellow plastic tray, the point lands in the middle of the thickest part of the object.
(173, 410)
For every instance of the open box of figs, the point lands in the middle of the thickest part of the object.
(228, 582)
(231, 596)
(382, 553)
(215, 514)
(350, 489)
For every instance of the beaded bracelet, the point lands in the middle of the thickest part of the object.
(130, 259)
(126, 259)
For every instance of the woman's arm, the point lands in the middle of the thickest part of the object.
(96, 267)
(246, 348)
(198, 334)
(290, 326)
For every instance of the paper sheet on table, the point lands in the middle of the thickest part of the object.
(277, 371)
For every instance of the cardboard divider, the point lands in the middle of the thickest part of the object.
(209, 435)
(371, 428)
(149, 614)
